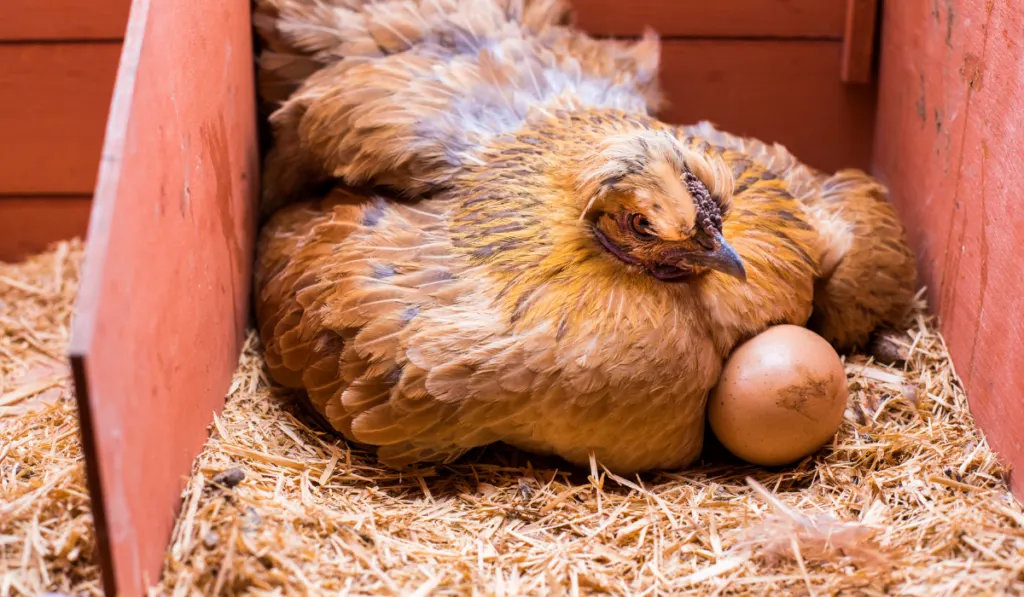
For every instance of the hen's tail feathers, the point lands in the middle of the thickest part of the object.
(302, 36)
(868, 272)
(405, 92)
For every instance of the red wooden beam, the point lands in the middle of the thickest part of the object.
(63, 19)
(783, 92)
(766, 19)
(859, 40)
(54, 99)
(163, 303)
(28, 225)
(948, 144)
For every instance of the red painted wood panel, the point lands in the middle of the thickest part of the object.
(63, 19)
(724, 18)
(786, 92)
(29, 224)
(54, 100)
(164, 299)
(949, 129)
(859, 40)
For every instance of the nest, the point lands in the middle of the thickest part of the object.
(908, 499)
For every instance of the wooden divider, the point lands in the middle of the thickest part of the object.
(164, 299)
(795, 72)
(786, 92)
(948, 144)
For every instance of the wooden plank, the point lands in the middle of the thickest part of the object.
(949, 146)
(29, 224)
(785, 92)
(63, 19)
(54, 100)
(859, 40)
(724, 18)
(164, 299)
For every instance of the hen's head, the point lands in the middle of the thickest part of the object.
(655, 203)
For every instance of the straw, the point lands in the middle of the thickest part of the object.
(907, 500)
(46, 528)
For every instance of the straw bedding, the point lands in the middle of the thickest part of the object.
(46, 540)
(907, 500)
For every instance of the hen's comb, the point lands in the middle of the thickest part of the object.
(709, 215)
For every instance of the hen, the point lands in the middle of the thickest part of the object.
(476, 231)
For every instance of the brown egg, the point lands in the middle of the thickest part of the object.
(781, 396)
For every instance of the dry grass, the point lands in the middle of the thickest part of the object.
(908, 500)
(46, 540)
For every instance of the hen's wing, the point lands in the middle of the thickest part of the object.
(340, 286)
(363, 304)
(868, 274)
(370, 307)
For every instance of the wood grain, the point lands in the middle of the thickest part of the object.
(949, 129)
(164, 299)
(54, 100)
(29, 224)
(788, 93)
(63, 19)
(724, 18)
(859, 40)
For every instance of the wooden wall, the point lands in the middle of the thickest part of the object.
(950, 121)
(770, 68)
(57, 65)
(773, 69)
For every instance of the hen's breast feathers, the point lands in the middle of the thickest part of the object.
(780, 248)
(867, 272)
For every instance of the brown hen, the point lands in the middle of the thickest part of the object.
(511, 248)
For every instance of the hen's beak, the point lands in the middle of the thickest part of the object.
(722, 258)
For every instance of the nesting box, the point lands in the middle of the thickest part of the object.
(927, 104)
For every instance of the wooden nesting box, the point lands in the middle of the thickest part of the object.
(164, 300)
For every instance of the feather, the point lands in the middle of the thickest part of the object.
(517, 379)
(322, 370)
(365, 393)
(402, 455)
(382, 337)
(450, 382)
(381, 425)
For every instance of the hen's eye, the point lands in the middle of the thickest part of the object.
(641, 227)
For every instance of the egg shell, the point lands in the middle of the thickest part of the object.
(781, 396)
